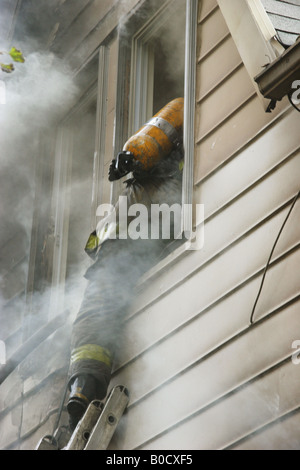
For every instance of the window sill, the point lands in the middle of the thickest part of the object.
(165, 264)
(185, 246)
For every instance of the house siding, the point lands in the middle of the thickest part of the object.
(30, 396)
(199, 375)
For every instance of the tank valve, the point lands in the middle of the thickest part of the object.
(121, 166)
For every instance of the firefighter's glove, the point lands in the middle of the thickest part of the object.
(121, 166)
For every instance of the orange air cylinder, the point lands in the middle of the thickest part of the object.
(158, 136)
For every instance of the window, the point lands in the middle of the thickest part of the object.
(73, 183)
(133, 74)
(157, 64)
(84, 151)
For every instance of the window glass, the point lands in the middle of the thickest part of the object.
(83, 129)
(158, 67)
(73, 187)
(158, 62)
(169, 57)
(153, 43)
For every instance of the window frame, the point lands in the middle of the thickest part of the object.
(126, 124)
(142, 63)
(121, 134)
(62, 173)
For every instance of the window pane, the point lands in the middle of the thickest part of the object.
(169, 55)
(81, 184)
(158, 62)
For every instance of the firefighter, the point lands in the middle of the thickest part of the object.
(154, 158)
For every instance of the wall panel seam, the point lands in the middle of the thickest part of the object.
(226, 77)
(229, 393)
(261, 429)
(213, 258)
(283, 114)
(285, 159)
(250, 97)
(227, 340)
(188, 418)
(22, 398)
(213, 48)
(208, 14)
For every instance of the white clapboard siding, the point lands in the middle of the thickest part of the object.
(208, 331)
(69, 14)
(208, 37)
(58, 343)
(10, 426)
(93, 27)
(238, 414)
(228, 60)
(214, 108)
(229, 368)
(220, 321)
(198, 288)
(263, 155)
(200, 377)
(83, 24)
(183, 303)
(11, 391)
(224, 141)
(34, 436)
(42, 403)
(38, 382)
(231, 223)
(205, 8)
(284, 434)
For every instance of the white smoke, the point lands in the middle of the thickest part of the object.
(37, 94)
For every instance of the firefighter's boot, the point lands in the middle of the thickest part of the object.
(84, 389)
(90, 372)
